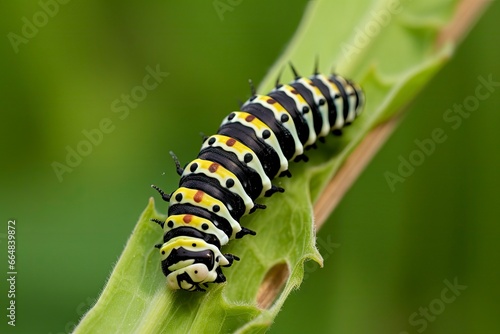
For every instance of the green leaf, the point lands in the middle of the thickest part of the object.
(392, 65)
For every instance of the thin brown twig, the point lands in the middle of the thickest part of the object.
(350, 171)
(467, 13)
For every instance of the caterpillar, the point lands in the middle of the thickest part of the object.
(236, 165)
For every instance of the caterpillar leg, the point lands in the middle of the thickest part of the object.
(244, 231)
(274, 189)
(220, 276)
(301, 157)
(231, 258)
(257, 206)
(285, 173)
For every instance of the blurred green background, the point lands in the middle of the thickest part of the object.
(392, 250)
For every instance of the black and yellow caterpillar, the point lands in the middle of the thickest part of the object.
(236, 166)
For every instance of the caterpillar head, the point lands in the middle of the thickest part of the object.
(189, 278)
(190, 262)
